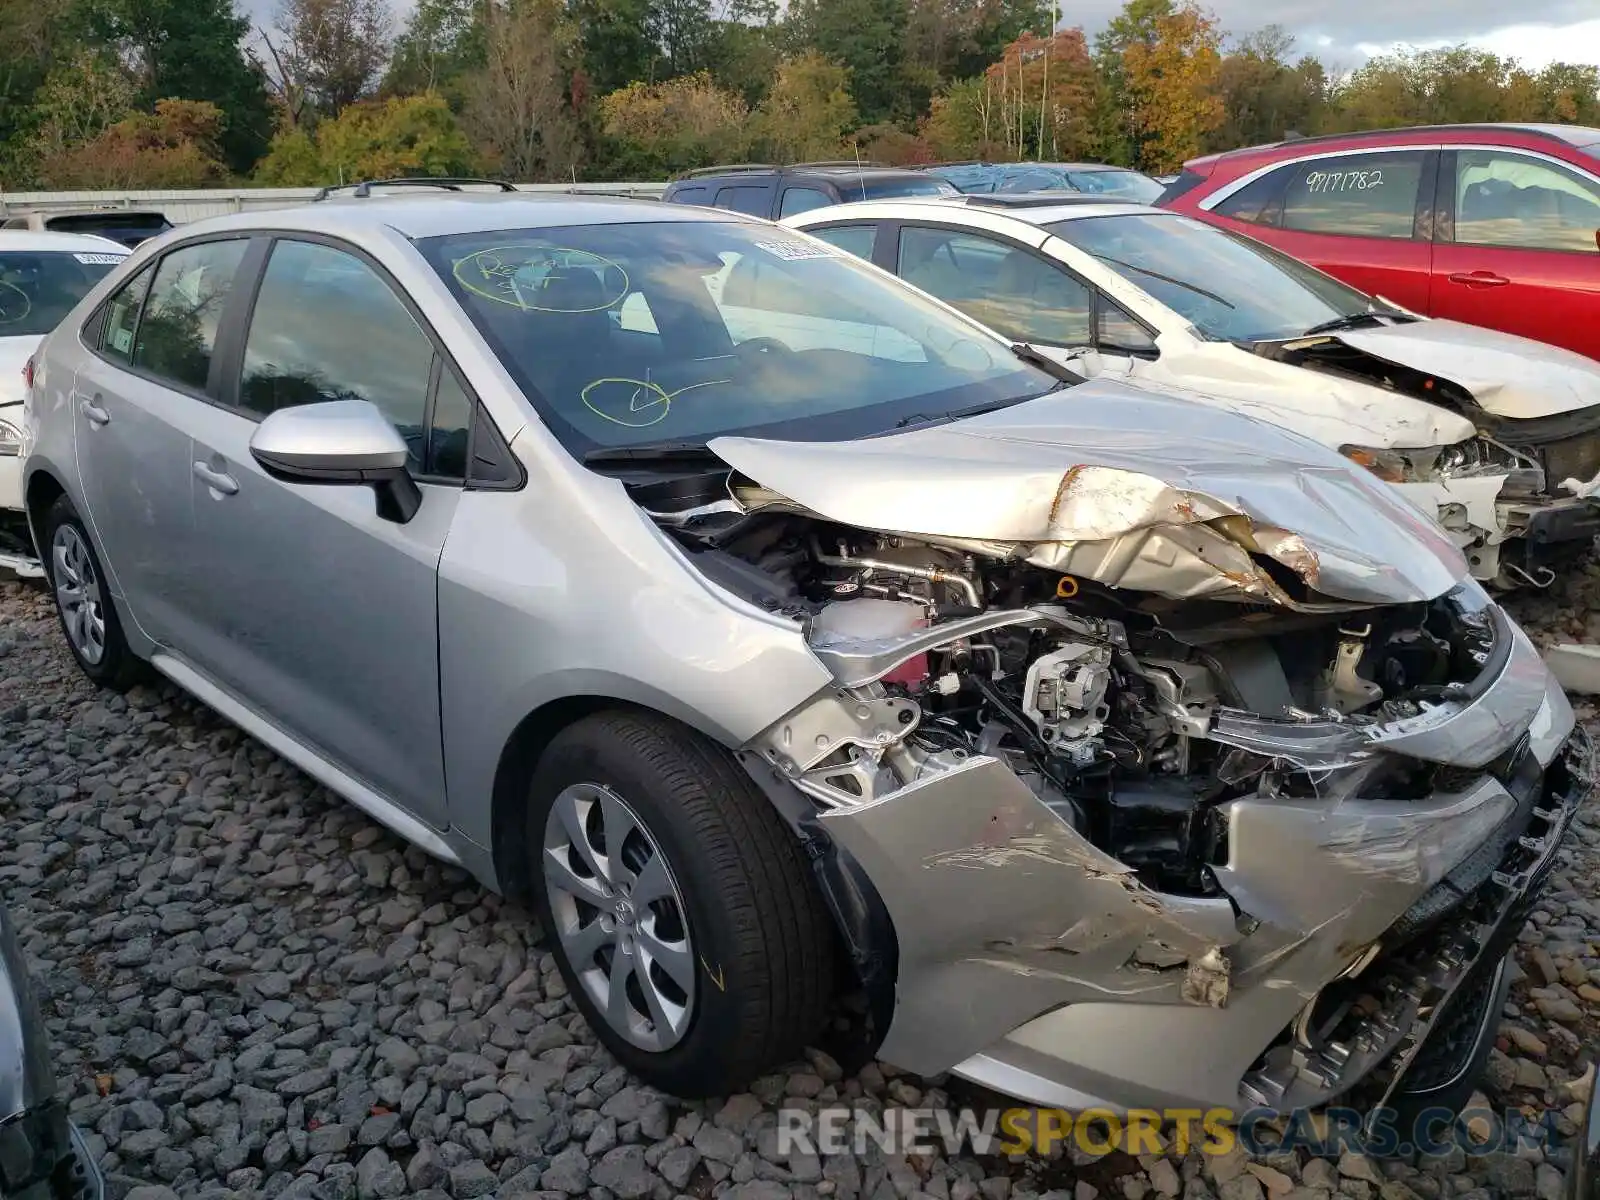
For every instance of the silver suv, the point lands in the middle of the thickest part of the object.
(780, 631)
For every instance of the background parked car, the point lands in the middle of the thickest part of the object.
(1092, 179)
(42, 278)
(1480, 428)
(763, 190)
(1495, 225)
(125, 226)
(42, 1154)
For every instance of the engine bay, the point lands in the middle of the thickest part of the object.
(1131, 716)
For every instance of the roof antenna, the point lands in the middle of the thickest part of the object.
(860, 182)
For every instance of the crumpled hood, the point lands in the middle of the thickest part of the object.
(1509, 376)
(1135, 490)
(14, 353)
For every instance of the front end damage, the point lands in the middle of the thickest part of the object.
(1206, 782)
(1519, 497)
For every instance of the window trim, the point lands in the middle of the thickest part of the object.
(205, 395)
(271, 237)
(1444, 228)
(1049, 260)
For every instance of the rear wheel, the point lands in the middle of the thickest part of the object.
(679, 907)
(88, 617)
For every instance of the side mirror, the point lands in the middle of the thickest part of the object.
(346, 442)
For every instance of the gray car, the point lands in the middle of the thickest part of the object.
(779, 632)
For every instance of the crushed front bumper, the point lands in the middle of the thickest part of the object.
(1034, 963)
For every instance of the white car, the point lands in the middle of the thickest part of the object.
(42, 278)
(1497, 436)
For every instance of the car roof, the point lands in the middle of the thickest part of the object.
(1572, 135)
(46, 241)
(1034, 208)
(839, 170)
(426, 215)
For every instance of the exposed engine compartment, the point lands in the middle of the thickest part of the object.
(1130, 716)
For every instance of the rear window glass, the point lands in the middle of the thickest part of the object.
(38, 289)
(128, 228)
(883, 189)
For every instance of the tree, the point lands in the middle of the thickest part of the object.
(78, 102)
(956, 39)
(1117, 136)
(32, 38)
(1036, 102)
(191, 50)
(407, 136)
(684, 32)
(326, 53)
(176, 146)
(616, 42)
(1172, 87)
(665, 128)
(442, 41)
(808, 112)
(867, 37)
(1263, 96)
(519, 110)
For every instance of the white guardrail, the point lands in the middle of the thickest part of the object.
(185, 205)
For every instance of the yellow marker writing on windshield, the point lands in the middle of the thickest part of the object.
(647, 397)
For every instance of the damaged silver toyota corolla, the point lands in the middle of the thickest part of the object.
(1141, 738)
(1115, 747)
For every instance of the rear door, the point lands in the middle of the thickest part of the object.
(1365, 217)
(1516, 246)
(153, 369)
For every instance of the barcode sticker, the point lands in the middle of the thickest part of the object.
(100, 260)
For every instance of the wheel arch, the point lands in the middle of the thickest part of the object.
(40, 490)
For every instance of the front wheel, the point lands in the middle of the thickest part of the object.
(681, 911)
(83, 602)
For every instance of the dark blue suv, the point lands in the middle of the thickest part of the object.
(764, 190)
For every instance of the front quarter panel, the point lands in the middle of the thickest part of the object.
(566, 589)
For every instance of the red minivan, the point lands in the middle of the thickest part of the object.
(1495, 225)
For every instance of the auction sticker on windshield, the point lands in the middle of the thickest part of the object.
(100, 260)
(794, 251)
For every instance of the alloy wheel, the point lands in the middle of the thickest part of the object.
(78, 594)
(620, 916)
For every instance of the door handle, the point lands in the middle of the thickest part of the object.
(1480, 279)
(217, 481)
(92, 411)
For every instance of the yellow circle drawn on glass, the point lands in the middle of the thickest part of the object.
(497, 276)
(647, 397)
(6, 315)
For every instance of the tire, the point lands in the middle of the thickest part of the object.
(91, 626)
(753, 970)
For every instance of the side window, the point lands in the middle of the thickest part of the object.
(753, 200)
(122, 317)
(691, 195)
(1116, 329)
(179, 329)
(450, 433)
(1033, 181)
(802, 199)
(1260, 201)
(1508, 200)
(852, 239)
(1364, 195)
(327, 327)
(1013, 291)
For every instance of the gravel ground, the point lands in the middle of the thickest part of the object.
(252, 989)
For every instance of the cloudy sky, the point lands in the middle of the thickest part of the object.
(1348, 32)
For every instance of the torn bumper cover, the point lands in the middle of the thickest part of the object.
(1022, 946)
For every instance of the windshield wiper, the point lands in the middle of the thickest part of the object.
(1045, 363)
(1348, 321)
(1197, 290)
(651, 452)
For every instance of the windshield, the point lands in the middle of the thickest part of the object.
(39, 288)
(1124, 185)
(1227, 286)
(687, 330)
